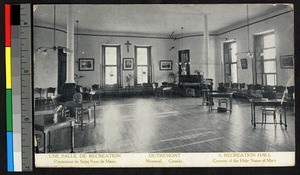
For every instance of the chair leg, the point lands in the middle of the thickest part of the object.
(262, 117)
(274, 115)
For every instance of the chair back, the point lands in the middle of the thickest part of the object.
(234, 85)
(268, 88)
(77, 97)
(154, 85)
(242, 85)
(257, 87)
(38, 93)
(221, 84)
(280, 89)
(291, 89)
(95, 87)
(50, 90)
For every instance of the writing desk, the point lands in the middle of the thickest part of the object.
(273, 103)
(46, 121)
(219, 95)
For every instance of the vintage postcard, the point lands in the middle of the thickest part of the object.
(163, 85)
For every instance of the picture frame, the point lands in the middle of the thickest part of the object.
(127, 63)
(287, 61)
(86, 64)
(165, 65)
(244, 63)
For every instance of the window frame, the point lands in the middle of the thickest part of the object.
(229, 62)
(264, 74)
(118, 66)
(149, 66)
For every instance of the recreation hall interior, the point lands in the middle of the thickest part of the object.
(163, 78)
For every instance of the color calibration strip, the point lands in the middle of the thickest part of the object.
(8, 67)
(18, 87)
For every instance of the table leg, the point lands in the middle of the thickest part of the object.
(99, 97)
(285, 117)
(49, 143)
(230, 101)
(254, 117)
(94, 114)
(72, 136)
(45, 142)
(251, 114)
(81, 119)
(210, 101)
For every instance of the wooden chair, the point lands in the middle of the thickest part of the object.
(269, 93)
(234, 87)
(268, 111)
(156, 90)
(81, 109)
(94, 91)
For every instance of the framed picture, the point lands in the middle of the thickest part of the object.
(86, 64)
(127, 63)
(244, 63)
(165, 65)
(287, 61)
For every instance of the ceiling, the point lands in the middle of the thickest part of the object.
(151, 19)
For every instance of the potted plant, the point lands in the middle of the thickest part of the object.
(129, 78)
(174, 76)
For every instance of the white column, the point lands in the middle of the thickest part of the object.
(205, 45)
(70, 46)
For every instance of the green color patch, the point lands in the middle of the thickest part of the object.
(9, 125)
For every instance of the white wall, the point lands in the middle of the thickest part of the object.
(45, 66)
(284, 36)
(92, 48)
(195, 45)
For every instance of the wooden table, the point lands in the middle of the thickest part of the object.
(273, 103)
(45, 121)
(219, 95)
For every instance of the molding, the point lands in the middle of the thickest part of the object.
(229, 29)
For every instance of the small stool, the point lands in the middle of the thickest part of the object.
(223, 100)
(265, 111)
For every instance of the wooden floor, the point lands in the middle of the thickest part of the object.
(142, 125)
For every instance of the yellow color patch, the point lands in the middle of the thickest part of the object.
(8, 67)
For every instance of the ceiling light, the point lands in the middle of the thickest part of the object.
(249, 54)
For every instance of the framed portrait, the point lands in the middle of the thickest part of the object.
(287, 61)
(86, 64)
(244, 63)
(127, 63)
(165, 65)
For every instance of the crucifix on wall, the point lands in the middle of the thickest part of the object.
(127, 44)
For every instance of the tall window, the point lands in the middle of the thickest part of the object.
(265, 59)
(230, 62)
(143, 65)
(111, 64)
(269, 59)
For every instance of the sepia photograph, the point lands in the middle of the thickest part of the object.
(163, 85)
